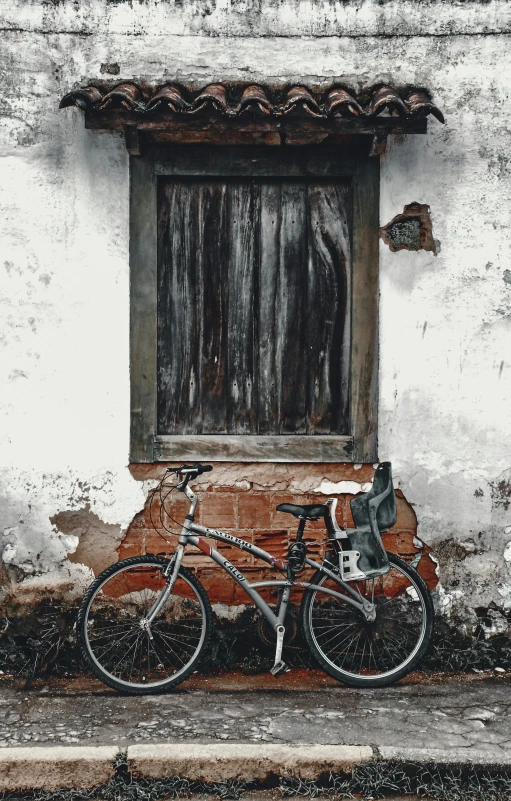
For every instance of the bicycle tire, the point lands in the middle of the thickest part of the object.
(85, 624)
(313, 632)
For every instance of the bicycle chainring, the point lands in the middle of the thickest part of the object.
(268, 636)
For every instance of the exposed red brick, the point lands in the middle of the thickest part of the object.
(427, 568)
(406, 517)
(274, 542)
(228, 502)
(132, 544)
(221, 588)
(316, 545)
(344, 501)
(195, 559)
(254, 510)
(177, 506)
(390, 542)
(144, 472)
(218, 511)
(405, 546)
(157, 545)
(138, 523)
(234, 554)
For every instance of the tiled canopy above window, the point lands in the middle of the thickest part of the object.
(237, 114)
(232, 101)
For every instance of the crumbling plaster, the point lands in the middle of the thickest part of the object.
(445, 319)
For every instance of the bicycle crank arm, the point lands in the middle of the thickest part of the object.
(279, 667)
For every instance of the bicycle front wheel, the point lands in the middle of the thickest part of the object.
(370, 654)
(117, 645)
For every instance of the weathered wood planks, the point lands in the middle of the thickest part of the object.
(253, 311)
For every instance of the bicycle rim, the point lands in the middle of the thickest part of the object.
(359, 649)
(122, 650)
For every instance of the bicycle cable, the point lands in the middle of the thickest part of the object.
(159, 489)
(163, 510)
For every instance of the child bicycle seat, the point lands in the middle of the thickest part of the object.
(373, 513)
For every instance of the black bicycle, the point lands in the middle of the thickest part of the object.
(367, 616)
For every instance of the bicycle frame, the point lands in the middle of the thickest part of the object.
(188, 536)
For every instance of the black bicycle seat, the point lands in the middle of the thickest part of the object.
(311, 512)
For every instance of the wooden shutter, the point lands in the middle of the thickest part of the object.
(253, 304)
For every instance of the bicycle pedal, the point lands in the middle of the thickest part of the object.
(278, 669)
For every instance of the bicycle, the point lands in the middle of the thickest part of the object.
(367, 616)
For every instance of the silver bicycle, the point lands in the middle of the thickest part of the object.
(367, 616)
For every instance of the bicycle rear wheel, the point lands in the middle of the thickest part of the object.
(364, 654)
(120, 650)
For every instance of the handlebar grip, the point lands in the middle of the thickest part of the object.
(194, 468)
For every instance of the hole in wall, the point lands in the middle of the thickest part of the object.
(411, 230)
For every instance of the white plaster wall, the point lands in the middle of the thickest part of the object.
(445, 319)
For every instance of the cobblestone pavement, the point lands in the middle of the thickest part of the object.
(303, 707)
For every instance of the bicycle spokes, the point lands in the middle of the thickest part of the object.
(359, 647)
(120, 638)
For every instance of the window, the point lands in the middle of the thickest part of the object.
(254, 304)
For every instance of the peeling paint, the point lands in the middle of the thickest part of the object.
(32, 505)
(230, 613)
(469, 546)
(343, 487)
(96, 542)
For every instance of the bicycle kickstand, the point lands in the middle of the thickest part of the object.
(279, 667)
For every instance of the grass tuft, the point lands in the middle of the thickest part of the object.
(381, 779)
(372, 780)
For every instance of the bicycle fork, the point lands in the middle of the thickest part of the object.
(163, 597)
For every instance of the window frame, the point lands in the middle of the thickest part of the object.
(146, 446)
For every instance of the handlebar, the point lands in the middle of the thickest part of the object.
(196, 468)
(190, 470)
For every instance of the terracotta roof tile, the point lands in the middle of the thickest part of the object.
(123, 96)
(340, 101)
(386, 99)
(298, 97)
(168, 98)
(86, 98)
(214, 96)
(420, 105)
(129, 96)
(253, 97)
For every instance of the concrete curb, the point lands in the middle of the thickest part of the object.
(473, 755)
(52, 768)
(82, 767)
(243, 761)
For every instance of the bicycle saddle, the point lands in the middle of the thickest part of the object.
(311, 512)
